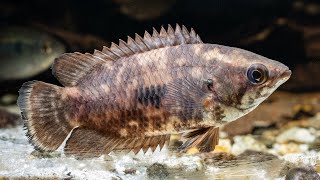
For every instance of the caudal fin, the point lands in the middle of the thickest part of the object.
(43, 112)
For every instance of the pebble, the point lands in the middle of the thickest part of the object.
(302, 173)
(296, 134)
(41, 155)
(255, 156)
(224, 146)
(130, 171)
(289, 148)
(242, 143)
(157, 171)
(192, 151)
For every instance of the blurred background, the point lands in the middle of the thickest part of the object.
(34, 32)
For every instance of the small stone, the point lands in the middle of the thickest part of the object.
(116, 178)
(269, 143)
(317, 168)
(175, 137)
(224, 146)
(40, 155)
(68, 176)
(216, 158)
(192, 150)
(290, 148)
(157, 171)
(175, 144)
(303, 173)
(130, 171)
(295, 134)
(242, 143)
(315, 144)
(255, 156)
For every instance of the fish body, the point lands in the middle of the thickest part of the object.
(133, 96)
(26, 52)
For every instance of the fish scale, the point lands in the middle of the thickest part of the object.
(144, 90)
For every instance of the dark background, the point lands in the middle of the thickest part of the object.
(286, 30)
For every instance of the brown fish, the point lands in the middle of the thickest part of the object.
(133, 95)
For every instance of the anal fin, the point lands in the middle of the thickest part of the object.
(204, 139)
(85, 142)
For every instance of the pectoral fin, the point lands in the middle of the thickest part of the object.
(204, 139)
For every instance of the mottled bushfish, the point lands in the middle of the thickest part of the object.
(132, 96)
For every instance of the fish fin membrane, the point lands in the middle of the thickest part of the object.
(86, 143)
(42, 111)
(204, 139)
(69, 68)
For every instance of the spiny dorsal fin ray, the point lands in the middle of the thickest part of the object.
(69, 68)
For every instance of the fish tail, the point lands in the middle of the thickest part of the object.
(43, 111)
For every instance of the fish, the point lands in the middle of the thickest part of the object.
(8, 119)
(26, 52)
(132, 96)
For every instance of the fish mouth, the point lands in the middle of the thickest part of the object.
(285, 75)
(281, 78)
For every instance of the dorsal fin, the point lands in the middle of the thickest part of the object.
(69, 68)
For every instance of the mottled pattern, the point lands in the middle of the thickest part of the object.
(142, 90)
(121, 97)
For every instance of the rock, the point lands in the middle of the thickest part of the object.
(130, 171)
(224, 146)
(242, 143)
(315, 145)
(302, 173)
(305, 158)
(116, 178)
(268, 142)
(40, 155)
(290, 148)
(157, 171)
(248, 165)
(255, 156)
(216, 158)
(296, 134)
(175, 142)
(192, 150)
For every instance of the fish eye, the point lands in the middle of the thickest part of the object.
(257, 74)
(209, 83)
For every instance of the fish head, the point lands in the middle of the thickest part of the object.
(241, 81)
(261, 77)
